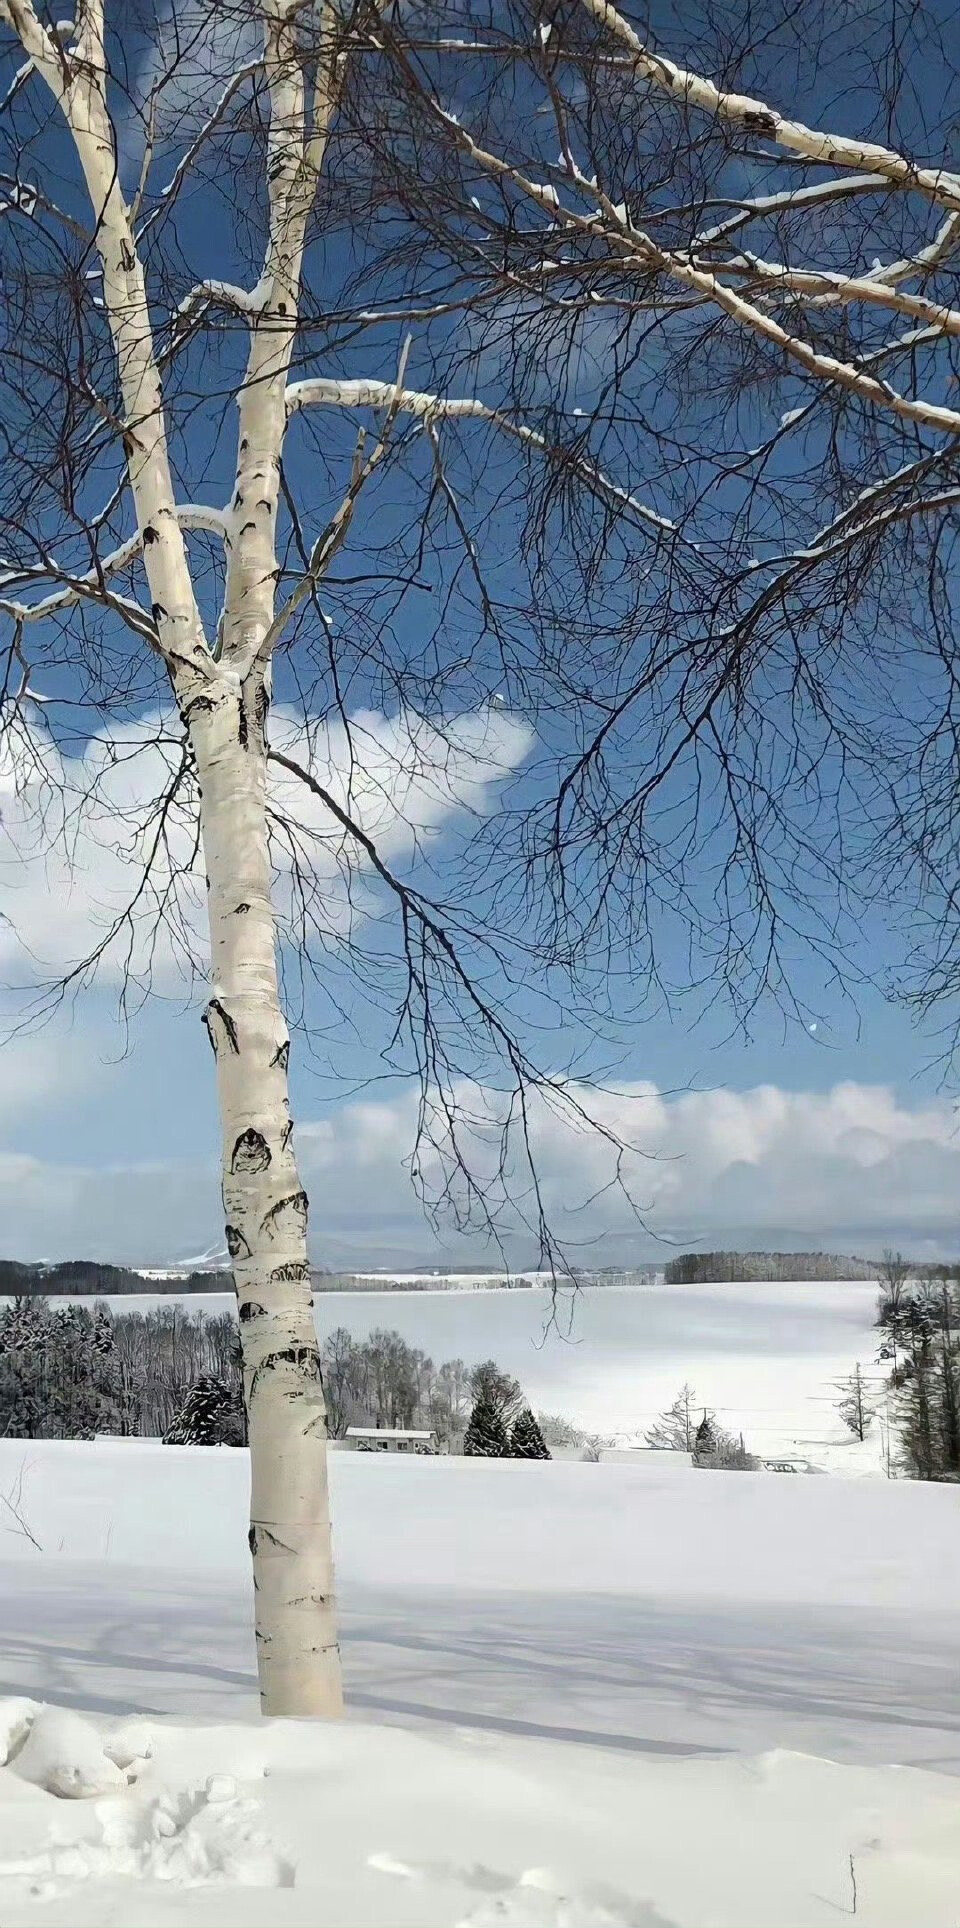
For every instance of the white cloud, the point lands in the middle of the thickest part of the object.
(79, 830)
(850, 1169)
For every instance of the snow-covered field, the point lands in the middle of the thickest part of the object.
(611, 1686)
(764, 1357)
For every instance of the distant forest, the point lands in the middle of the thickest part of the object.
(734, 1268)
(90, 1278)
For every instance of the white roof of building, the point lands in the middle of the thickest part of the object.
(386, 1432)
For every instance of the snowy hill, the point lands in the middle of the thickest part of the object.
(593, 1667)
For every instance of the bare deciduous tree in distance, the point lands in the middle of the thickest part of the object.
(854, 1405)
(534, 403)
(676, 1429)
(892, 1275)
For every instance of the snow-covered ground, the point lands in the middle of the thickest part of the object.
(610, 1685)
(765, 1357)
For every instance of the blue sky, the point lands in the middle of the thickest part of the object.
(828, 1129)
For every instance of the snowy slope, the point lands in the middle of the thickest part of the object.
(612, 1602)
(585, 1671)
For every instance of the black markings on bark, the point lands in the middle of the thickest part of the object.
(227, 1022)
(296, 1203)
(236, 1243)
(263, 503)
(281, 1056)
(759, 121)
(243, 730)
(126, 257)
(150, 534)
(261, 704)
(240, 910)
(243, 445)
(251, 1310)
(246, 526)
(238, 500)
(203, 705)
(252, 1541)
(295, 1273)
(158, 612)
(273, 1539)
(251, 1153)
(128, 446)
(286, 1134)
(302, 1358)
(174, 658)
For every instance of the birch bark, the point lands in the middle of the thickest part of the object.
(266, 1223)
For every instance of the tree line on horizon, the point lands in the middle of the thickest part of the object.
(97, 1278)
(735, 1268)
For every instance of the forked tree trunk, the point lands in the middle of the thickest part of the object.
(264, 1201)
(266, 1217)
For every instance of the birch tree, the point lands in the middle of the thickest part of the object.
(221, 695)
(567, 376)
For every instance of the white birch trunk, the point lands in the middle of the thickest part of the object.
(266, 1221)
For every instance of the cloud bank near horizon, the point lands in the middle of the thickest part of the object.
(852, 1168)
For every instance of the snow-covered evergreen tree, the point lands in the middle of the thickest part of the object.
(486, 1436)
(526, 1440)
(211, 1415)
(56, 1380)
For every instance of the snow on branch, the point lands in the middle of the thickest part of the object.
(825, 287)
(91, 585)
(944, 243)
(786, 202)
(327, 392)
(77, 81)
(225, 294)
(846, 374)
(756, 117)
(638, 249)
